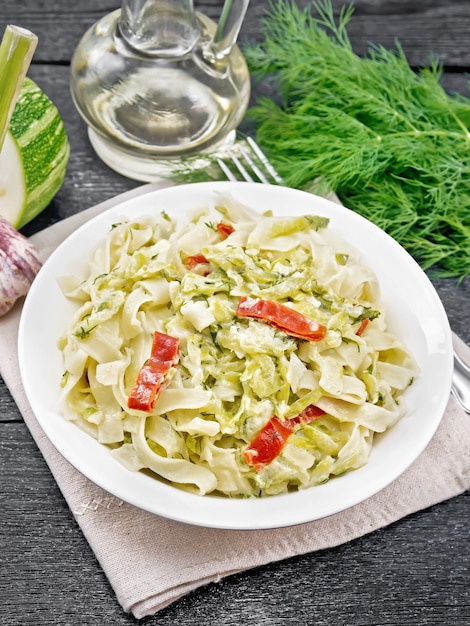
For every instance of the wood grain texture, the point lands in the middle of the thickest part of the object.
(438, 26)
(414, 572)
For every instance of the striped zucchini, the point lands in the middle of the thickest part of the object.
(34, 156)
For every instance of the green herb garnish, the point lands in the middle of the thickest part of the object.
(84, 333)
(390, 141)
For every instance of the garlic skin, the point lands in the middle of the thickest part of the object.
(19, 264)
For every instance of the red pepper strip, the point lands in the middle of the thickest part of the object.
(225, 229)
(310, 413)
(268, 443)
(363, 326)
(151, 378)
(281, 316)
(197, 263)
(272, 438)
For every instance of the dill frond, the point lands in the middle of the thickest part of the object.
(390, 141)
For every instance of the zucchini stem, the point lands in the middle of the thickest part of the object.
(16, 52)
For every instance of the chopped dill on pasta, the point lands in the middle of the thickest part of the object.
(278, 367)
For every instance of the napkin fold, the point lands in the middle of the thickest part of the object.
(151, 561)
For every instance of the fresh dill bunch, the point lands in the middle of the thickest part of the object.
(390, 141)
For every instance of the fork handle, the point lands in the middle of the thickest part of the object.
(461, 374)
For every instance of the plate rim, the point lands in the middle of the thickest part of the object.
(250, 507)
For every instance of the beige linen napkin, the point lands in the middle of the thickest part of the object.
(167, 559)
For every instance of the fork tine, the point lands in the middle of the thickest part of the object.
(226, 170)
(253, 165)
(240, 167)
(246, 159)
(264, 159)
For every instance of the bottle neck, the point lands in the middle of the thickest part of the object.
(165, 28)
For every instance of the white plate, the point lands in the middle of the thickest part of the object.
(415, 314)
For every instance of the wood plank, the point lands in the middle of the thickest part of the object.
(422, 28)
(413, 572)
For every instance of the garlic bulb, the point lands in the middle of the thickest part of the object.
(19, 264)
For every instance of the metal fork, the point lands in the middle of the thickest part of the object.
(249, 161)
(461, 376)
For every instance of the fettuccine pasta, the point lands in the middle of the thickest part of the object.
(281, 367)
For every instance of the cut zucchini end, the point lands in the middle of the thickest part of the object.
(34, 160)
(12, 182)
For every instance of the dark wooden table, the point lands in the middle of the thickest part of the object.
(414, 572)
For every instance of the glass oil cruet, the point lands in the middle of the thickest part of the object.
(156, 81)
